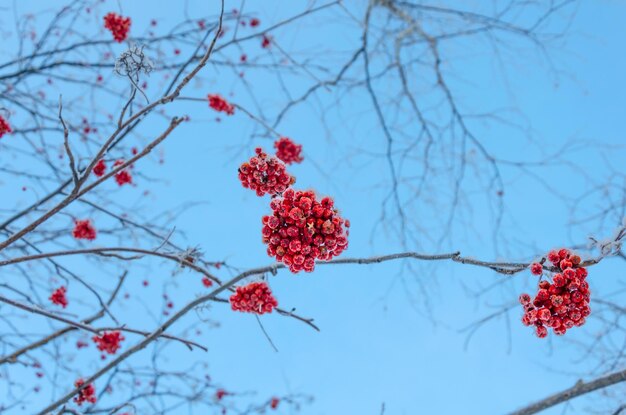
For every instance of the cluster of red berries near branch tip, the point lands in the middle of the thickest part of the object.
(100, 168)
(118, 25)
(219, 104)
(87, 394)
(562, 304)
(255, 297)
(123, 176)
(109, 341)
(4, 126)
(83, 229)
(302, 229)
(288, 151)
(265, 174)
(58, 297)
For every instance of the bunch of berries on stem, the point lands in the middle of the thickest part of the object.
(255, 297)
(562, 303)
(117, 25)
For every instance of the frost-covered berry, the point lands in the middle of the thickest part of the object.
(536, 268)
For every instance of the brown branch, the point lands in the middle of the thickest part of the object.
(89, 328)
(13, 356)
(580, 388)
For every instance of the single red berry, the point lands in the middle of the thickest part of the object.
(536, 268)
(554, 257)
(266, 42)
(541, 332)
(220, 394)
(524, 299)
(274, 403)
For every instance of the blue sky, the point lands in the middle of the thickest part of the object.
(389, 334)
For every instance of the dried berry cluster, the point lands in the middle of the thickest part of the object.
(288, 151)
(562, 304)
(255, 297)
(265, 174)
(87, 394)
(118, 25)
(109, 341)
(302, 229)
(219, 104)
(58, 297)
(4, 126)
(83, 229)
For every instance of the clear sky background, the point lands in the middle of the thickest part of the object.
(389, 334)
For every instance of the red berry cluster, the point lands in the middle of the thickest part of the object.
(255, 297)
(123, 176)
(58, 297)
(109, 341)
(83, 229)
(100, 168)
(265, 174)
(4, 126)
(562, 304)
(118, 25)
(219, 104)
(303, 229)
(288, 151)
(87, 394)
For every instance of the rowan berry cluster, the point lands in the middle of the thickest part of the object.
(219, 104)
(118, 25)
(288, 151)
(255, 297)
(123, 176)
(87, 394)
(302, 229)
(562, 303)
(58, 297)
(4, 126)
(83, 229)
(100, 168)
(109, 341)
(265, 174)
